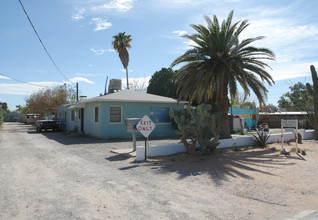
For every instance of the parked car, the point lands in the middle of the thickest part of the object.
(47, 122)
(263, 127)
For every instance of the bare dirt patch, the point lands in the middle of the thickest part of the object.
(56, 176)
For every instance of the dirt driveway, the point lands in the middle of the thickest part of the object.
(55, 176)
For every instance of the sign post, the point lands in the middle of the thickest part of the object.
(145, 126)
(289, 124)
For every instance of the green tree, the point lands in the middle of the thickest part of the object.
(4, 106)
(218, 62)
(243, 101)
(268, 108)
(120, 43)
(46, 101)
(298, 98)
(23, 109)
(162, 83)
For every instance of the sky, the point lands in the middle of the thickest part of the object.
(78, 36)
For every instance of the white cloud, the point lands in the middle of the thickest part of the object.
(25, 89)
(101, 51)
(79, 15)
(89, 74)
(115, 5)
(289, 70)
(124, 70)
(4, 77)
(138, 84)
(101, 24)
(81, 79)
(179, 32)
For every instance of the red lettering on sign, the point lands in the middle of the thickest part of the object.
(145, 122)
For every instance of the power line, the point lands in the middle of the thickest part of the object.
(22, 81)
(47, 52)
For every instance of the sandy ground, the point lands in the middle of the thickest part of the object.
(56, 176)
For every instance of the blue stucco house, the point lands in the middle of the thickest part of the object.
(103, 116)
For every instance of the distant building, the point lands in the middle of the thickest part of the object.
(12, 117)
(274, 119)
(250, 116)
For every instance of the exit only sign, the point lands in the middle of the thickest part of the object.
(145, 126)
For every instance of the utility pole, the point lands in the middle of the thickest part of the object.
(65, 93)
(76, 91)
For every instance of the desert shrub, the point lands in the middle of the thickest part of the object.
(200, 126)
(260, 139)
(1, 117)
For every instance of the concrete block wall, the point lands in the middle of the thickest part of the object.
(170, 149)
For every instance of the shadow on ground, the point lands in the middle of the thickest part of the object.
(222, 165)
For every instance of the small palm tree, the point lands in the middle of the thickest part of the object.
(218, 62)
(121, 43)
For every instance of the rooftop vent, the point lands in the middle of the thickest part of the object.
(114, 85)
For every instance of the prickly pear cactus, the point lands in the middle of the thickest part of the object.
(200, 128)
(313, 90)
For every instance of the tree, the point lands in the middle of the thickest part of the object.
(218, 61)
(268, 108)
(23, 109)
(121, 43)
(243, 101)
(298, 98)
(46, 101)
(162, 83)
(4, 106)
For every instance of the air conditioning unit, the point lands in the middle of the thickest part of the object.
(114, 85)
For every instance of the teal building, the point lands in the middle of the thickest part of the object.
(103, 116)
(250, 116)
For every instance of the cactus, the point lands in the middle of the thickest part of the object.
(200, 128)
(313, 90)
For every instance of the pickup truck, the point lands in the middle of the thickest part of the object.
(47, 122)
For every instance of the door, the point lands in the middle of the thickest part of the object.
(82, 120)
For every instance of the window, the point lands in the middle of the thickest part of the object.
(160, 115)
(115, 114)
(96, 115)
(64, 117)
(73, 115)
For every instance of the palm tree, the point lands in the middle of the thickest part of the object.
(121, 43)
(218, 62)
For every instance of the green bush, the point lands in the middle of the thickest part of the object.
(1, 117)
(200, 126)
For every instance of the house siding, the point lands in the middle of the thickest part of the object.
(247, 114)
(108, 130)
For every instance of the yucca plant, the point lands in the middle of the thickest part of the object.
(261, 139)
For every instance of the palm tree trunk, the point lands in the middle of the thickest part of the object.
(127, 78)
(223, 106)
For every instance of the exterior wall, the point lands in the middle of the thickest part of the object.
(107, 130)
(66, 122)
(250, 116)
(90, 127)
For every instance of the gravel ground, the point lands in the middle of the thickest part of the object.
(57, 176)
